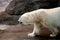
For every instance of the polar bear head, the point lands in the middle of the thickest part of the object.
(32, 17)
(25, 19)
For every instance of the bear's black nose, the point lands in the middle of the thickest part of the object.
(20, 22)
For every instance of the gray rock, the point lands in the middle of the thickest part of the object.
(18, 7)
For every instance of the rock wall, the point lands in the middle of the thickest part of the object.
(19, 7)
(4, 4)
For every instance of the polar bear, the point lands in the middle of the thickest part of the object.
(49, 18)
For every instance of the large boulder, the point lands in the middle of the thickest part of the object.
(8, 19)
(4, 4)
(59, 3)
(19, 7)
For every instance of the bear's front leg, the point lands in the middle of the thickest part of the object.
(31, 34)
(36, 30)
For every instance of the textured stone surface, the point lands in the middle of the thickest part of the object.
(21, 6)
(8, 19)
(4, 4)
(19, 32)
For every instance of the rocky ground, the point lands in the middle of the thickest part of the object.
(19, 32)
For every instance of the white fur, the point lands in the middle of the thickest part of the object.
(49, 18)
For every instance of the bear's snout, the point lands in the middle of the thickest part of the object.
(20, 22)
